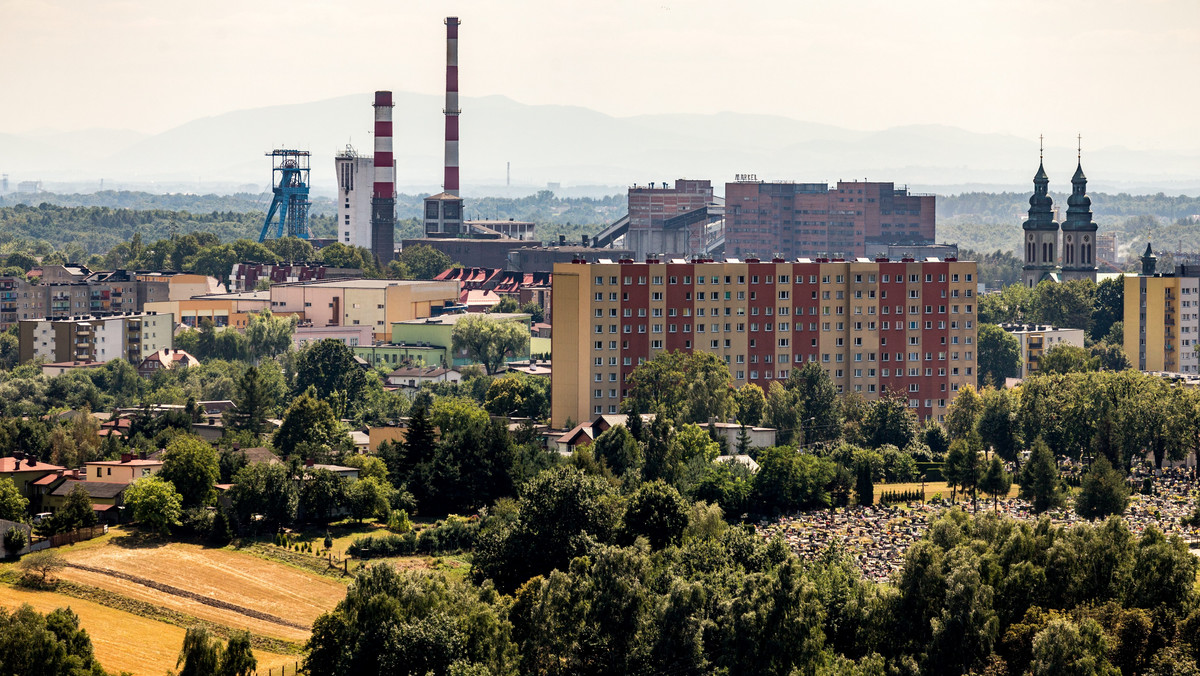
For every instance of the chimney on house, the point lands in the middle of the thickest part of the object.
(126, 457)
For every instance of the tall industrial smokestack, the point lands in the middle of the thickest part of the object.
(450, 184)
(383, 192)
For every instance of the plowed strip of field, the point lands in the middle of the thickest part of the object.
(168, 589)
(247, 582)
(122, 641)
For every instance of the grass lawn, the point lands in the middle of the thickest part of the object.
(933, 488)
(123, 641)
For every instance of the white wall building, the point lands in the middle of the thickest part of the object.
(355, 175)
(1037, 339)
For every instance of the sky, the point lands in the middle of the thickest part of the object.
(1120, 72)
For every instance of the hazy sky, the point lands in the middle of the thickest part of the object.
(1122, 72)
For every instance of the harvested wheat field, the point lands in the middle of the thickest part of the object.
(226, 587)
(123, 641)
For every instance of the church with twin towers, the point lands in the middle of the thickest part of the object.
(1042, 237)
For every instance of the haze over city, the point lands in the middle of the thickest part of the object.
(1108, 70)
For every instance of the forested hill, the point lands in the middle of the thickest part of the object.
(1010, 207)
(98, 221)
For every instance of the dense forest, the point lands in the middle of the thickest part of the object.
(99, 221)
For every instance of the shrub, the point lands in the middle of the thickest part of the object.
(15, 540)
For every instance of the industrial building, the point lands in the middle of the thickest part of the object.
(1162, 317)
(355, 175)
(811, 219)
(89, 338)
(668, 220)
(876, 326)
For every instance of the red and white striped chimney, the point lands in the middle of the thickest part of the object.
(450, 184)
(385, 179)
(383, 190)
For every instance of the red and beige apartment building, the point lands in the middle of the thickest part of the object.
(812, 219)
(904, 326)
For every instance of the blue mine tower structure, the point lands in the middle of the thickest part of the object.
(289, 182)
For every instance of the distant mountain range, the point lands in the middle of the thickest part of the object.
(571, 146)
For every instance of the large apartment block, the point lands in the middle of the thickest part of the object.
(1162, 318)
(59, 291)
(876, 326)
(88, 338)
(811, 219)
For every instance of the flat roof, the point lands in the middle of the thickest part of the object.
(451, 320)
(359, 283)
(241, 295)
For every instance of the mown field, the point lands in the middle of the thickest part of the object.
(135, 595)
(124, 641)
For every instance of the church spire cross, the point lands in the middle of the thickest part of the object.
(1041, 148)
(1079, 147)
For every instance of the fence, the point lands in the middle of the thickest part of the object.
(79, 535)
(283, 670)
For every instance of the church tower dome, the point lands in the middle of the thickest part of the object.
(1040, 232)
(1079, 230)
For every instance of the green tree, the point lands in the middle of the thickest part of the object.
(507, 304)
(268, 335)
(1110, 356)
(820, 416)
(368, 466)
(1103, 491)
(890, 421)
(329, 367)
(238, 657)
(253, 403)
(200, 654)
(309, 420)
(12, 503)
(684, 387)
(537, 314)
(864, 486)
(266, 490)
(964, 412)
(1064, 648)
(783, 412)
(75, 513)
(788, 480)
(338, 255)
(370, 497)
(995, 482)
(291, 249)
(751, 404)
(193, 467)
(424, 261)
(15, 539)
(558, 511)
(657, 512)
(1063, 358)
(1066, 305)
(489, 341)
(154, 503)
(618, 449)
(1039, 478)
(45, 562)
(1109, 307)
(999, 427)
(322, 493)
(999, 355)
(45, 644)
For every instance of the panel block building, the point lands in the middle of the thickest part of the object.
(876, 326)
(1162, 317)
(87, 338)
(810, 219)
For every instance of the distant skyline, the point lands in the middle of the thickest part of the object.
(1119, 72)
